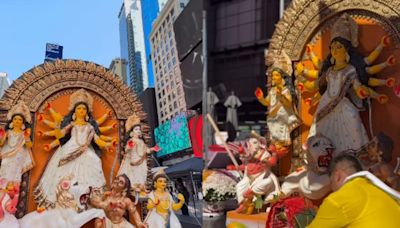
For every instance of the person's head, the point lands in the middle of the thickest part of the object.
(339, 49)
(341, 167)
(179, 180)
(17, 122)
(81, 111)
(18, 117)
(277, 78)
(136, 131)
(253, 144)
(160, 181)
(121, 183)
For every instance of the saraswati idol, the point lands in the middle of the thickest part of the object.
(15, 145)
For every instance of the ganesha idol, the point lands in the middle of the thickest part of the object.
(258, 179)
(313, 180)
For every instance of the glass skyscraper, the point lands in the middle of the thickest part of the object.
(150, 11)
(133, 45)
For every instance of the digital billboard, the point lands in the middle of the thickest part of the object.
(173, 135)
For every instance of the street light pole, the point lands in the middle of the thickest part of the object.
(206, 128)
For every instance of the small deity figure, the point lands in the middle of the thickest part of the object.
(282, 118)
(385, 172)
(78, 138)
(312, 181)
(8, 204)
(15, 145)
(258, 179)
(134, 163)
(161, 205)
(343, 82)
(378, 150)
(115, 203)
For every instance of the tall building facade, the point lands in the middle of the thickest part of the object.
(132, 44)
(167, 75)
(118, 67)
(4, 83)
(150, 10)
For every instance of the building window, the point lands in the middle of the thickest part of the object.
(182, 5)
(175, 105)
(174, 61)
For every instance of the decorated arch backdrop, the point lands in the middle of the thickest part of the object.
(310, 21)
(54, 82)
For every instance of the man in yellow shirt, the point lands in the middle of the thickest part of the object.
(359, 200)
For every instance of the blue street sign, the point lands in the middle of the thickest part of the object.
(53, 52)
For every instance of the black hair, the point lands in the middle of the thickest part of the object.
(356, 60)
(68, 119)
(385, 144)
(26, 124)
(128, 187)
(351, 160)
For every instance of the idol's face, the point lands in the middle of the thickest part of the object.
(137, 131)
(338, 51)
(276, 78)
(119, 183)
(17, 122)
(161, 183)
(81, 111)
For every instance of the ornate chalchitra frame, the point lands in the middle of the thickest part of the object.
(54, 82)
(310, 21)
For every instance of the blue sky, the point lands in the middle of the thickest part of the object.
(88, 30)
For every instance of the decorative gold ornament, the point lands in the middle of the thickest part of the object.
(283, 63)
(161, 171)
(347, 28)
(81, 96)
(21, 109)
(131, 122)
